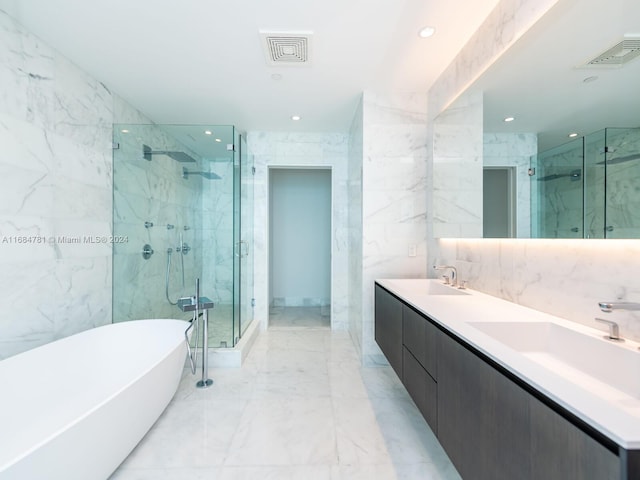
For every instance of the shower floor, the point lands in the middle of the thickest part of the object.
(220, 326)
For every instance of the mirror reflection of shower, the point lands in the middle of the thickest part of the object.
(206, 175)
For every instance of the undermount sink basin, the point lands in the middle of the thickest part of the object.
(437, 288)
(588, 360)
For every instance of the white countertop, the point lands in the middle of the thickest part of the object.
(614, 413)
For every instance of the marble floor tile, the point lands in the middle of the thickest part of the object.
(300, 407)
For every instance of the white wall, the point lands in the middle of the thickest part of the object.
(300, 237)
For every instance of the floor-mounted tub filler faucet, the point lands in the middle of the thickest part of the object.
(454, 273)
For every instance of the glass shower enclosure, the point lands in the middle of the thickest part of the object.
(588, 188)
(182, 209)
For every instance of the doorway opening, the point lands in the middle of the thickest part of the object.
(300, 247)
(498, 202)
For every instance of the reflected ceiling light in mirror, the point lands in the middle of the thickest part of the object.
(509, 119)
(573, 135)
(218, 140)
(124, 130)
(295, 118)
(426, 32)
(208, 132)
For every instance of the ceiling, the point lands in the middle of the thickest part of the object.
(544, 83)
(202, 61)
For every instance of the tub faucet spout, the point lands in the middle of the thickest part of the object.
(609, 307)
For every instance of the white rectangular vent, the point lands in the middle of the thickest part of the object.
(622, 53)
(286, 48)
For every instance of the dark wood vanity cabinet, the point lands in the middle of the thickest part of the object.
(388, 327)
(483, 417)
(419, 341)
(491, 424)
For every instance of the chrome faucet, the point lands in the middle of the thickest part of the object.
(614, 330)
(454, 273)
(609, 307)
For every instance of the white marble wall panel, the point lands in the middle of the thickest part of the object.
(55, 177)
(393, 198)
(562, 277)
(514, 150)
(457, 169)
(271, 149)
(354, 236)
(566, 278)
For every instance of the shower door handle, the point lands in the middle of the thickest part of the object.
(239, 253)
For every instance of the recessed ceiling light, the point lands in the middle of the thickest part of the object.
(124, 130)
(573, 135)
(218, 140)
(426, 32)
(509, 119)
(208, 132)
(295, 118)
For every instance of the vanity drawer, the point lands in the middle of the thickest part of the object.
(419, 337)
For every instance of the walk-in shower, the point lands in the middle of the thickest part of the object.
(190, 222)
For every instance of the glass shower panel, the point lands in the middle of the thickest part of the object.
(594, 185)
(557, 192)
(176, 196)
(237, 238)
(622, 200)
(246, 232)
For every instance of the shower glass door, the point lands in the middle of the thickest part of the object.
(177, 200)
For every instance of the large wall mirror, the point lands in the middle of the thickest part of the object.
(546, 143)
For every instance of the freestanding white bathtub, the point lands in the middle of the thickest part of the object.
(76, 407)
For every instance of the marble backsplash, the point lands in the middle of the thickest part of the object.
(566, 278)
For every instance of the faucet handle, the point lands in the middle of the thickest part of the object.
(614, 330)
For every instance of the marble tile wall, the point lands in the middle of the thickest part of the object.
(562, 277)
(457, 166)
(393, 198)
(55, 179)
(356, 152)
(566, 278)
(286, 149)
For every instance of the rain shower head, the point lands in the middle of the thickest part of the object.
(207, 175)
(574, 176)
(626, 158)
(181, 157)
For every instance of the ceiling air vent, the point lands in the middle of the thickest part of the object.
(287, 48)
(622, 53)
